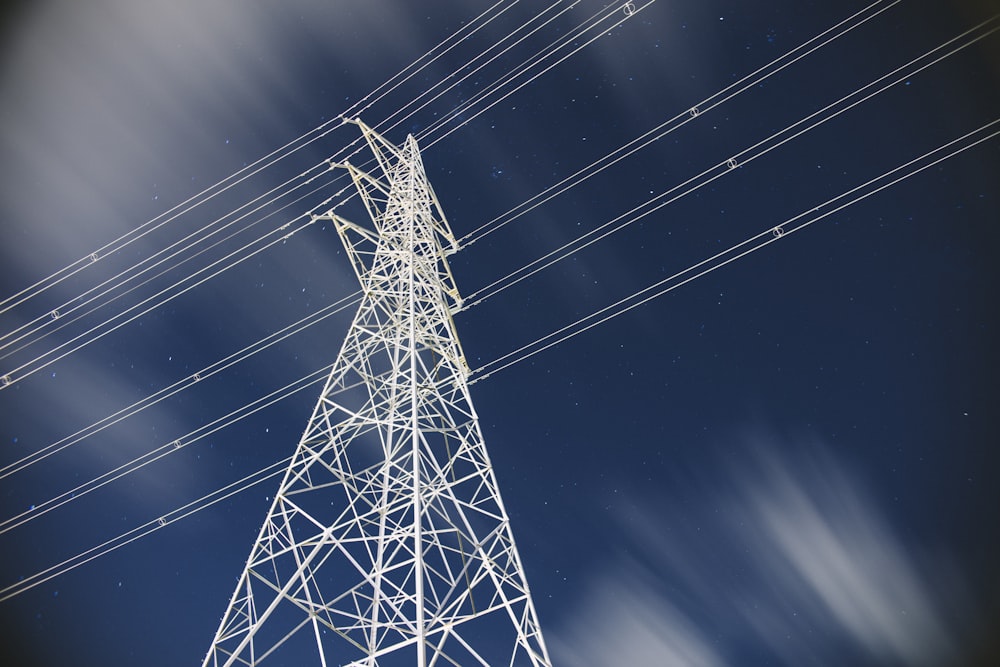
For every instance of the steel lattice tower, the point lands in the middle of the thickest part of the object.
(387, 542)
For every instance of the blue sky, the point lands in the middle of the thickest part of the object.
(787, 461)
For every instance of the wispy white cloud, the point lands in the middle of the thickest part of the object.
(623, 620)
(823, 543)
(788, 556)
(113, 112)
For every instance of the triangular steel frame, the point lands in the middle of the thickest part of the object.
(387, 542)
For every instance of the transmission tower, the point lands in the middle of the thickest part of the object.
(387, 542)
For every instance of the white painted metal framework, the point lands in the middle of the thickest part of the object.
(387, 542)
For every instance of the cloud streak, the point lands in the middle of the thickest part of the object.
(790, 558)
(620, 622)
(824, 544)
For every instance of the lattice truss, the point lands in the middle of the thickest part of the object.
(387, 542)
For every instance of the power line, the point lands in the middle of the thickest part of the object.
(149, 304)
(145, 529)
(290, 389)
(747, 82)
(122, 414)
(738, 251)
(561, 43)
(357, 108)
(61, 313)
(456, 81)
(757, 150)
(17, 374)
(731, 254)
(567, 249)
(180, 385)
(241, 175)
(80, 435)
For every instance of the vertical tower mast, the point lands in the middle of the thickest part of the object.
(387, 542)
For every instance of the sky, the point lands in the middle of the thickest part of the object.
(790, 460)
